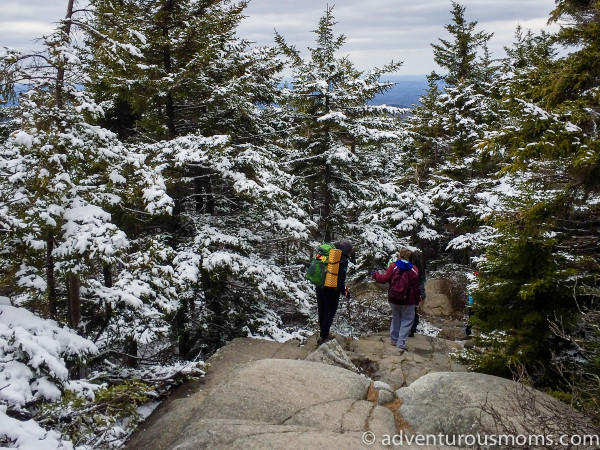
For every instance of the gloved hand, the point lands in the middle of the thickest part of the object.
(373, 274)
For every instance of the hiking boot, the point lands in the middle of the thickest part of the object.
(411, 334)
(401, 350)
(320, 340)
(382, 339)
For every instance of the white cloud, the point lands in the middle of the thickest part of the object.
(377, 31)
(381, 30)
(26, 28)
(21, 23)
(23, 35)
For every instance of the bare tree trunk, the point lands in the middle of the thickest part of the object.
(50, 277)
(170, 107)
(327, 200)
(213, 293)
(108, 281)
(99, 318)
(171, 117)
(131, 349)
(77, 371)
(205, 199)
(60, 75)
(74, 295)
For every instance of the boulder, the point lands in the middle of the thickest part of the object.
(274, 390)
(254, 399)
(346, 416)
(223, 434)
(437, 302)
(332, 353)
(273, 402)
(453, 334)
(385, 397)
(423, 355)
(455, 404)
(179, 409)
(380, 385)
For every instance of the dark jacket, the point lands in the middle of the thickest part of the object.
(346, 248)
(397, 269)
(418, 261)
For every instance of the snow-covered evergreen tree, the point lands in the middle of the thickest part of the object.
(66, 267)
(461, 56)
(200, 99)
(63, 176)
(239, 262)
(343, 150)
(191, 74)
(459, 108)
(546, 271)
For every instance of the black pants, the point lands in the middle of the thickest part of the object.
(413, 329)
(328, 300)
(468, 327)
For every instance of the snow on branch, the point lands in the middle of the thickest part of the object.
(32, 356)
(480, 240)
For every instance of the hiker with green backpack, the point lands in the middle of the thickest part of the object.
(327, 271)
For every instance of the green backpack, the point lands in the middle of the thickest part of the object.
(318, 265)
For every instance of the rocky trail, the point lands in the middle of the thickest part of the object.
(261, 394)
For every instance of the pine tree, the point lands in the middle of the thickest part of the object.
(460, 107)
(205, 97)
(536, 285)
(74, 285)
(460, 56)
(464, 104)
(241, 256)
(63, 176)
(572, 90)
(343, 150)
(526, 63)
(520, 291)
(426, 130)
(191, 73)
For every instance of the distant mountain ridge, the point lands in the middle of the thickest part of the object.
(405, 93)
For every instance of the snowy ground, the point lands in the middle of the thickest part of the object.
(427, 329)
(353, 320)
(368, 313)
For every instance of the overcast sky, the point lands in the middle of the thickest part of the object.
(376, 31)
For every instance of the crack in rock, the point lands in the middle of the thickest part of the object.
(317, 405)
(343, 419)
(369, 418)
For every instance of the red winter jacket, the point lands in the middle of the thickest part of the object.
(414, 289)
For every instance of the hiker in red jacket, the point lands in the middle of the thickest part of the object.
(403, 294)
